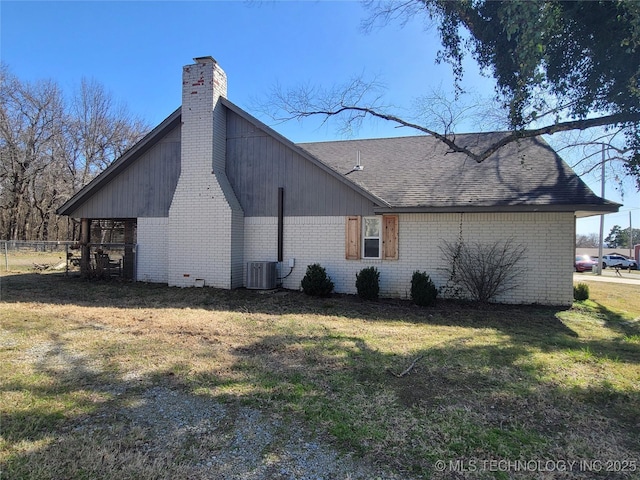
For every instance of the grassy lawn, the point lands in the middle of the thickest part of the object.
(30, 261)
(489, 383)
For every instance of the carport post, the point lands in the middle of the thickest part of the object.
(85, 225)
(128, 259)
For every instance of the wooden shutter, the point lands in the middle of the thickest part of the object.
(352, 238)
(389, 237)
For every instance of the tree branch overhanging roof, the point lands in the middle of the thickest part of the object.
(419, 173)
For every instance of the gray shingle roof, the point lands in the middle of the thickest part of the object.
(421, 173)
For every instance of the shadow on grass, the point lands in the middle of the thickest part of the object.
(618, 322)
(527, 324)
(509, 407)
(58, 289)
(335, 382)
(455, 369)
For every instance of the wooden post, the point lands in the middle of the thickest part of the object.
(128, 260)
(85, 258)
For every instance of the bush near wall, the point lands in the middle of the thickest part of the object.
(423, 290)
(368, 283)
(581, 292)
(316, 282)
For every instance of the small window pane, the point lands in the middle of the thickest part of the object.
(372, 248)
(371, 227)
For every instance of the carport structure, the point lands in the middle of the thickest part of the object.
(139, 184)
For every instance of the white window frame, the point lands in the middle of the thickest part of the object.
(378, 237)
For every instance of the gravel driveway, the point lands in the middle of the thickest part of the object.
(152, 429)
(248, 444)
(231, 442)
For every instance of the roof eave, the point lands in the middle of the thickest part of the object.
(580, 210)
(121, 163)
(591, 210)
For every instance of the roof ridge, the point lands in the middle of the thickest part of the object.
(420, 135)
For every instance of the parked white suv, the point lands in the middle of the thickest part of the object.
(618, 261)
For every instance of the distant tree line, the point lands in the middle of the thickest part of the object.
(618, 238)
(590, 240)
(51, 145)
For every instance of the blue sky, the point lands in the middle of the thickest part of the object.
(137, 50)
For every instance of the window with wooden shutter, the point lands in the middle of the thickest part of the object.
(389, 237)
(371, 237)
(352, 238)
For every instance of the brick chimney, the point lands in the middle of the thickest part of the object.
(203, 133)
(206, 222)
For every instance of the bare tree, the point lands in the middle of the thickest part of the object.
(596, 152)
(590, 240)
(351, 103)
(483, 270)
(30, 119)
(97, 131)
(49, 149)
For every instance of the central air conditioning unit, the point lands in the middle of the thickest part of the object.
(261, 275)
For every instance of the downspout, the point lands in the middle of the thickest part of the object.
(281, 237)
(280, 223)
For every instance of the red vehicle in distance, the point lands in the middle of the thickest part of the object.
(584, 263)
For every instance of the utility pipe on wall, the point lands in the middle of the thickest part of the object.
(280, 223)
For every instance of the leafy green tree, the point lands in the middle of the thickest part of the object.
(619, 237)
(559, 66)
(613, 239)
(584, 53)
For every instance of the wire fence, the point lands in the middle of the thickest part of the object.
(106, 260)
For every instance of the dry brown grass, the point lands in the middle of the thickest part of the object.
(622, 298)
(494, 382)
(16, 262)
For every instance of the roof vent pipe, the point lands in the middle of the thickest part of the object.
(358, 166)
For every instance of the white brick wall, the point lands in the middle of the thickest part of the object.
(549, 238)
(152, 250)
(206, 236)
